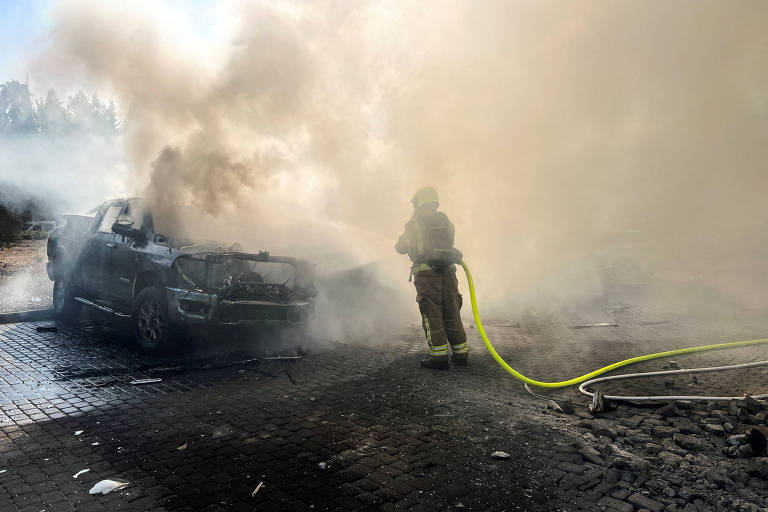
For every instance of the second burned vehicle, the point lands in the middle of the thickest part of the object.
(118, 262)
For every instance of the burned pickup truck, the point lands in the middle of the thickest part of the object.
(116, 262)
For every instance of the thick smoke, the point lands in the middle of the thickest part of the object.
(551, 130)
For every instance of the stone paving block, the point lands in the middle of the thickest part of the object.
(615, 505)
(641, 501)
(571, 468)
(385, 439)
(62, 506)
(620, 494)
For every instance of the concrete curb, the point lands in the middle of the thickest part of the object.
(26, 316)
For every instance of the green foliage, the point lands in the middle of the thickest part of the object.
(10, 225)
(19, 115)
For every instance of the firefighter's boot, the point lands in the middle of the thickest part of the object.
(459, 360)
(435, 364)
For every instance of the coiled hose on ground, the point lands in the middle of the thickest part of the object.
(589, 378)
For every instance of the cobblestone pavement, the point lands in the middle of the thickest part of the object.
(358, 426)
(344, 428)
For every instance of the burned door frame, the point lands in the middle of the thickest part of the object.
(121, 273)
(94, 253)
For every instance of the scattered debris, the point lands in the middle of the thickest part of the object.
(107, 486)
(138, 382)
(247, 361)
(500, 455)
(668, 410)
(590, 454)
(753, 406)
(619, 308)
(166, 369)
(78, 432)
(671, 365)
(713, 428)
(598, 402)
(602, 324)
(80, 473)
(182, 447)
(322, 465)
(282, 358)
(47, 329)
(261, 484)
(516, 325)
(554, 406)
(221, 431)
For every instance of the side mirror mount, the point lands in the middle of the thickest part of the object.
(127, 231)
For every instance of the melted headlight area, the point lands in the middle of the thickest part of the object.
(236, 288)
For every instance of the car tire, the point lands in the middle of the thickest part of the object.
(65, 307)
(153, 329)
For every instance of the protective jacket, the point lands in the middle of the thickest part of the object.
(428, 241)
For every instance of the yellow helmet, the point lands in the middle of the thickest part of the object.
(424, 196)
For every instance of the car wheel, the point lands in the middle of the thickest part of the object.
(154, 331)
(65, 307)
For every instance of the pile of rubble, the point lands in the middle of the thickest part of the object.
(681, 457)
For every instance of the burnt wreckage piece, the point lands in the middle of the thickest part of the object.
(117, 261)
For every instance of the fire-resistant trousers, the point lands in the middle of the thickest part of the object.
(440, 304)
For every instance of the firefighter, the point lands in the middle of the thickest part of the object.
(428, 241)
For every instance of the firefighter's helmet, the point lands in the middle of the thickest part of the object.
(424, 196)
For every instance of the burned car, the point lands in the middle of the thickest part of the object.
(116, 262)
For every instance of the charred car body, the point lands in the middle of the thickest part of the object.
(116, 262)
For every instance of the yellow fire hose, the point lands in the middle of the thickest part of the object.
(599, 371)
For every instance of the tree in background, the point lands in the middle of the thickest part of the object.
(49, 117)
(48, 146)
(17, 115)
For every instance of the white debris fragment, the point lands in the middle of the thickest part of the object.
(182, 447)
(107, 486)
(95, 444)
(3, 471)
(261, 484)
(602, 324)
(322, 465)
(78, 432)
(500, 455)
(246, 361)
(80, 473)
(138, 382)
